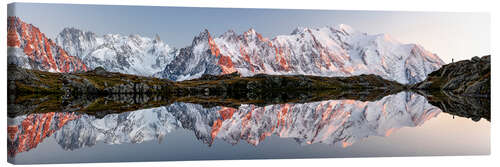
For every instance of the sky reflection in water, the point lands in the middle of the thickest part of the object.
(403, 124)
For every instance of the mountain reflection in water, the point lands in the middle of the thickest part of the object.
(340, 123)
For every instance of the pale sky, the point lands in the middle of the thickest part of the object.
(449, 35)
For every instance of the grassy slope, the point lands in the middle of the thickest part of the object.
(470, 77)
(44, 91)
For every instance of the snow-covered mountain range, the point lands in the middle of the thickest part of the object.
(29, 48)
(327, 51)
(332, 122)
(132, 54)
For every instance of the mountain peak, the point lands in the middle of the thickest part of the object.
(201, 37)
(70, 29)
(299, 30)
(38, 53)
(346, 28)
(386, 38)
(204, 34)
(75, 31)
(229, 35)
(341, 27)
(336, 50)
(157, 38)
(13, 18)
(251, 31)
(251, 34)
(131, 54)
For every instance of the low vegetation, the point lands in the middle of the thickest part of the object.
(467, 77)
(99, 92)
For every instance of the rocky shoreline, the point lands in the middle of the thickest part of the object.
(101, 82)
(462, 88)
(466, 78)
(99, 92)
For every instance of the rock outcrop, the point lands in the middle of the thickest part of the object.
(209, 90)
(333, 51)
(128, 54)
(98, 81)
(28, 47)
(474, 108)
(467, 77)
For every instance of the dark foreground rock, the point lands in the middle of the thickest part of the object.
(101, 105)
(471, 107)
(99, 81)
(268, 88)
(467, 78)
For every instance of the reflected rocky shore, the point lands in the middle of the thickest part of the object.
(100, 105)
(307, 117)
(82, 109)
(472, 107)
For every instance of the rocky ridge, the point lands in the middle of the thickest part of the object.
(29, 48)
(127, 54)
(331, 51)
(466, 77)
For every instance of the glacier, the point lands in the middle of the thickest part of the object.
(331, 51)
(132, 54)
(29, 48)
(328, 51)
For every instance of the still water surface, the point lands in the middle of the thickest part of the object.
(403, 124)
